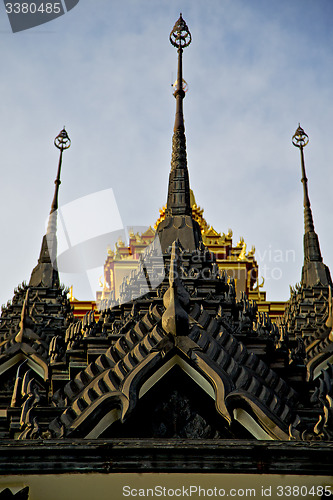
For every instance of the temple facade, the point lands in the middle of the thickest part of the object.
(188, 375)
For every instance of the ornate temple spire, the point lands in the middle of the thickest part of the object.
(179, 188)
(178, 223)
(46, 272)
(314, 270)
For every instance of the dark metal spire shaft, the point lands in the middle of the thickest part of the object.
(179, 94)
(178, 202)
(314, 271)
(308, 219)
(57, 182)
(311, 252)
(46, 271)
(62, 142)
(178, 224)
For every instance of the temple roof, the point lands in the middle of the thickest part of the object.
(183, 334)
(182, 358)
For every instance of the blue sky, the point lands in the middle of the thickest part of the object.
(254, 69)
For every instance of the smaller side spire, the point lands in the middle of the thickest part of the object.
(46, 271)
(314, 270)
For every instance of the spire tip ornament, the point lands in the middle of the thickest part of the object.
(300, 139)
(62, 141)
(180, 35)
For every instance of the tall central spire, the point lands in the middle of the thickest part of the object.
(314, 270)
(46, 271)
(178, 223)
(179, 187)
